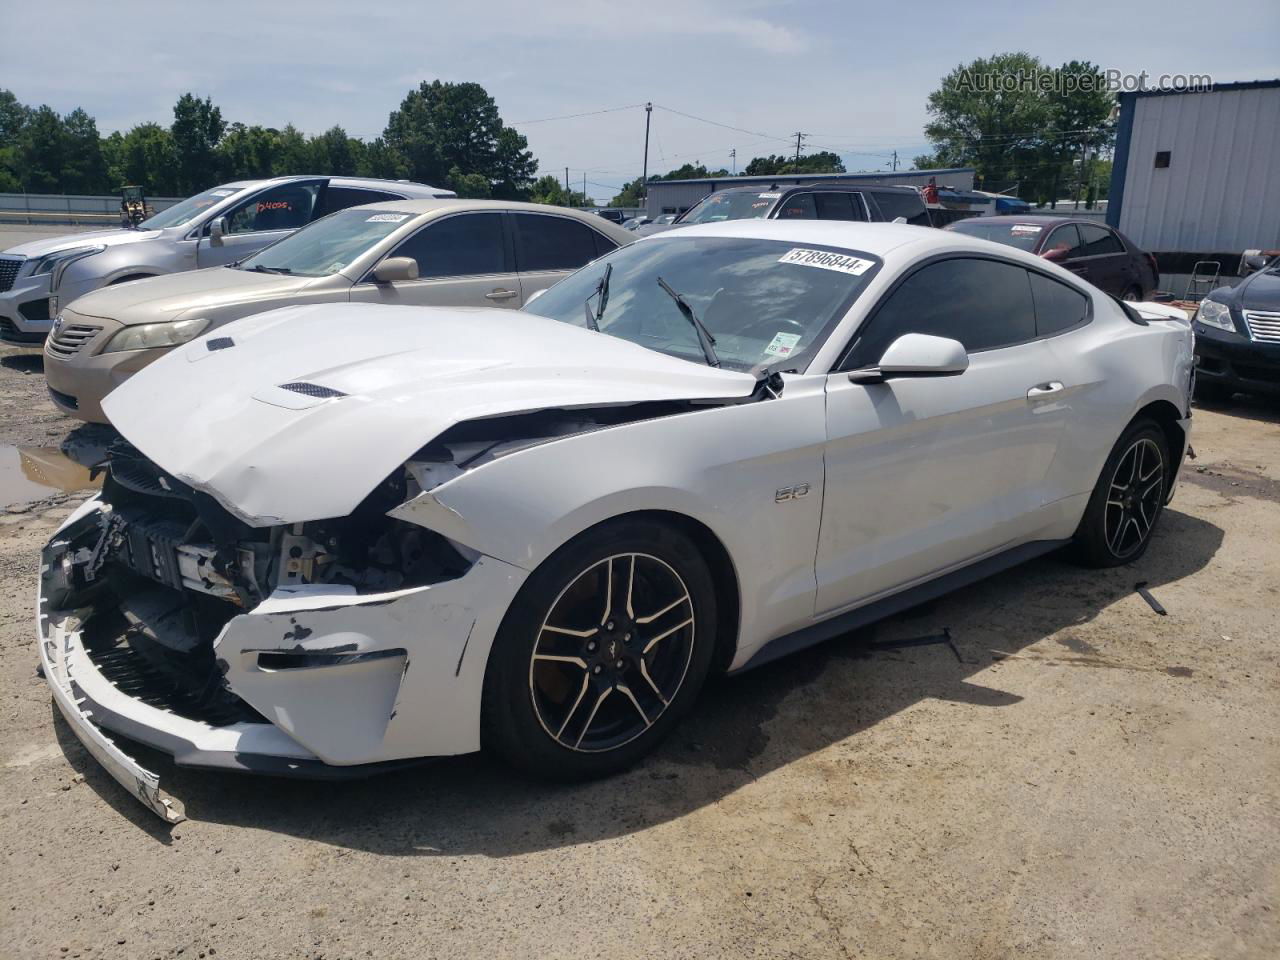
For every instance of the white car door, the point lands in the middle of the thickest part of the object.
(550, 246)
(463, 261)
(260, 220)
(926, 474)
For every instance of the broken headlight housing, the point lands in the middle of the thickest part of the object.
(148, 336)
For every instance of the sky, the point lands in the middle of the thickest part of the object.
(855, 77)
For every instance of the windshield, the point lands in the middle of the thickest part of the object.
(764, 301)
(732, 205)
(1024, 236)
(328, 245)
(188, 209)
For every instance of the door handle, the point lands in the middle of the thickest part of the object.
(498, 293)
(1045, 389)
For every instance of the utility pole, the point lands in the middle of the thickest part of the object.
(584, 188)
(895, 161)
(567, 195)
(733, 155)
(799, 137)
(644, 177)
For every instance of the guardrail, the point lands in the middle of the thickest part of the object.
(46, 208)
(64, 217)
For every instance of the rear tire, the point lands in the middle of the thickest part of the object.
(1128, 499)
(602, 652)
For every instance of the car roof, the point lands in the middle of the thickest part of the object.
(410, 188)
(1039, 218)
(445, 205)
(852, 185)
(884, 240)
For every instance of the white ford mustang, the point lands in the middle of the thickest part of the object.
(339, 536)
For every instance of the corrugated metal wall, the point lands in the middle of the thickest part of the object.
(678, 195)
(1221, 189)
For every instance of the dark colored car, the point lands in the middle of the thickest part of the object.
(1105, 257)
(1238, 337)
(834, 201)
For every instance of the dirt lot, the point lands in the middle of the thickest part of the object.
(1078, 778)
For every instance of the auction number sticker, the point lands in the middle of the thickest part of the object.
(222, 193)
(388, 218)
(768, 196)
(782, 344)
(1025, 229)
(826, 260)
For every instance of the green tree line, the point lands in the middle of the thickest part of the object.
(1045, 139)
(445, 134)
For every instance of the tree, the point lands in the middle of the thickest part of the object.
(144, 156)
(550, 190)
(13, 117)
(380, 160)
(1018, 123)
(83, 168)
(440, 127)
(293, 153)
(247, 152)
(42, 151)
(197, 128)
(333, 152)
(776, 165)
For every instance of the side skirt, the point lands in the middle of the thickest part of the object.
(886, 607)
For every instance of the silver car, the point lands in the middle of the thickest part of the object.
(217, 227)
(444, 253)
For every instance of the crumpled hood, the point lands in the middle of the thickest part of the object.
(108, 238)
(216, 417)
(167, 297)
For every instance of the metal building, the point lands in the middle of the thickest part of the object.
(676, 196)
(1195, 175)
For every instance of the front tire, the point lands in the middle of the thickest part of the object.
(602, 652)
(1128, 498)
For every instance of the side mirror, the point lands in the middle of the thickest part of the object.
(396, 269)
(217, 229)
(1253, 263)
(916, 355)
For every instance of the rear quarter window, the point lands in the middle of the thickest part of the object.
(1058, 306)
(905, 205)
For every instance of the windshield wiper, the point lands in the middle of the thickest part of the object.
(259, 268)
(601, 291)
(705, 339)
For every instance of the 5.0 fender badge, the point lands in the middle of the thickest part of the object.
(796, 492)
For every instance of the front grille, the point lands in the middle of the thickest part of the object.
(67, 340)
(10, 332)
(1264, 325)
(9, 267)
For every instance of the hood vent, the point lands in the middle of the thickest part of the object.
(313, 390)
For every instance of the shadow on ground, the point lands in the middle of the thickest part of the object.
(743, 727)
(1248, 406)
(23, 362)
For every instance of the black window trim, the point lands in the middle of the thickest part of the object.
(842, 364)
(517, 247)
(507, 255)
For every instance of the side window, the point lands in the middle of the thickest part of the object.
(798, 206)
(1058, 306)
(286, 207)
(1065, 238)
(603, 244)
(982, 303)
(465, 245)
(839, 206)
(1099, 241)
(908, 205)
(339, 198)
(552, 243)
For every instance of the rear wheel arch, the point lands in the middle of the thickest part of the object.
(1167, 417)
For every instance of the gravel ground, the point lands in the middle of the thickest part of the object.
(1079, 777)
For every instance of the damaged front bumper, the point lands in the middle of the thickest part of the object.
(321, 680)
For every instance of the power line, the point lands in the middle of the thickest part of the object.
(717, 123)
(574, 116)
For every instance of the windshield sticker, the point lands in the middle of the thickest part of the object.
(782, 344)
(768, 196)
(388, 218)
(826, 260)
(222, 193)
(1025, 229)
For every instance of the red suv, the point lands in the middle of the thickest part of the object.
(1105, 257)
